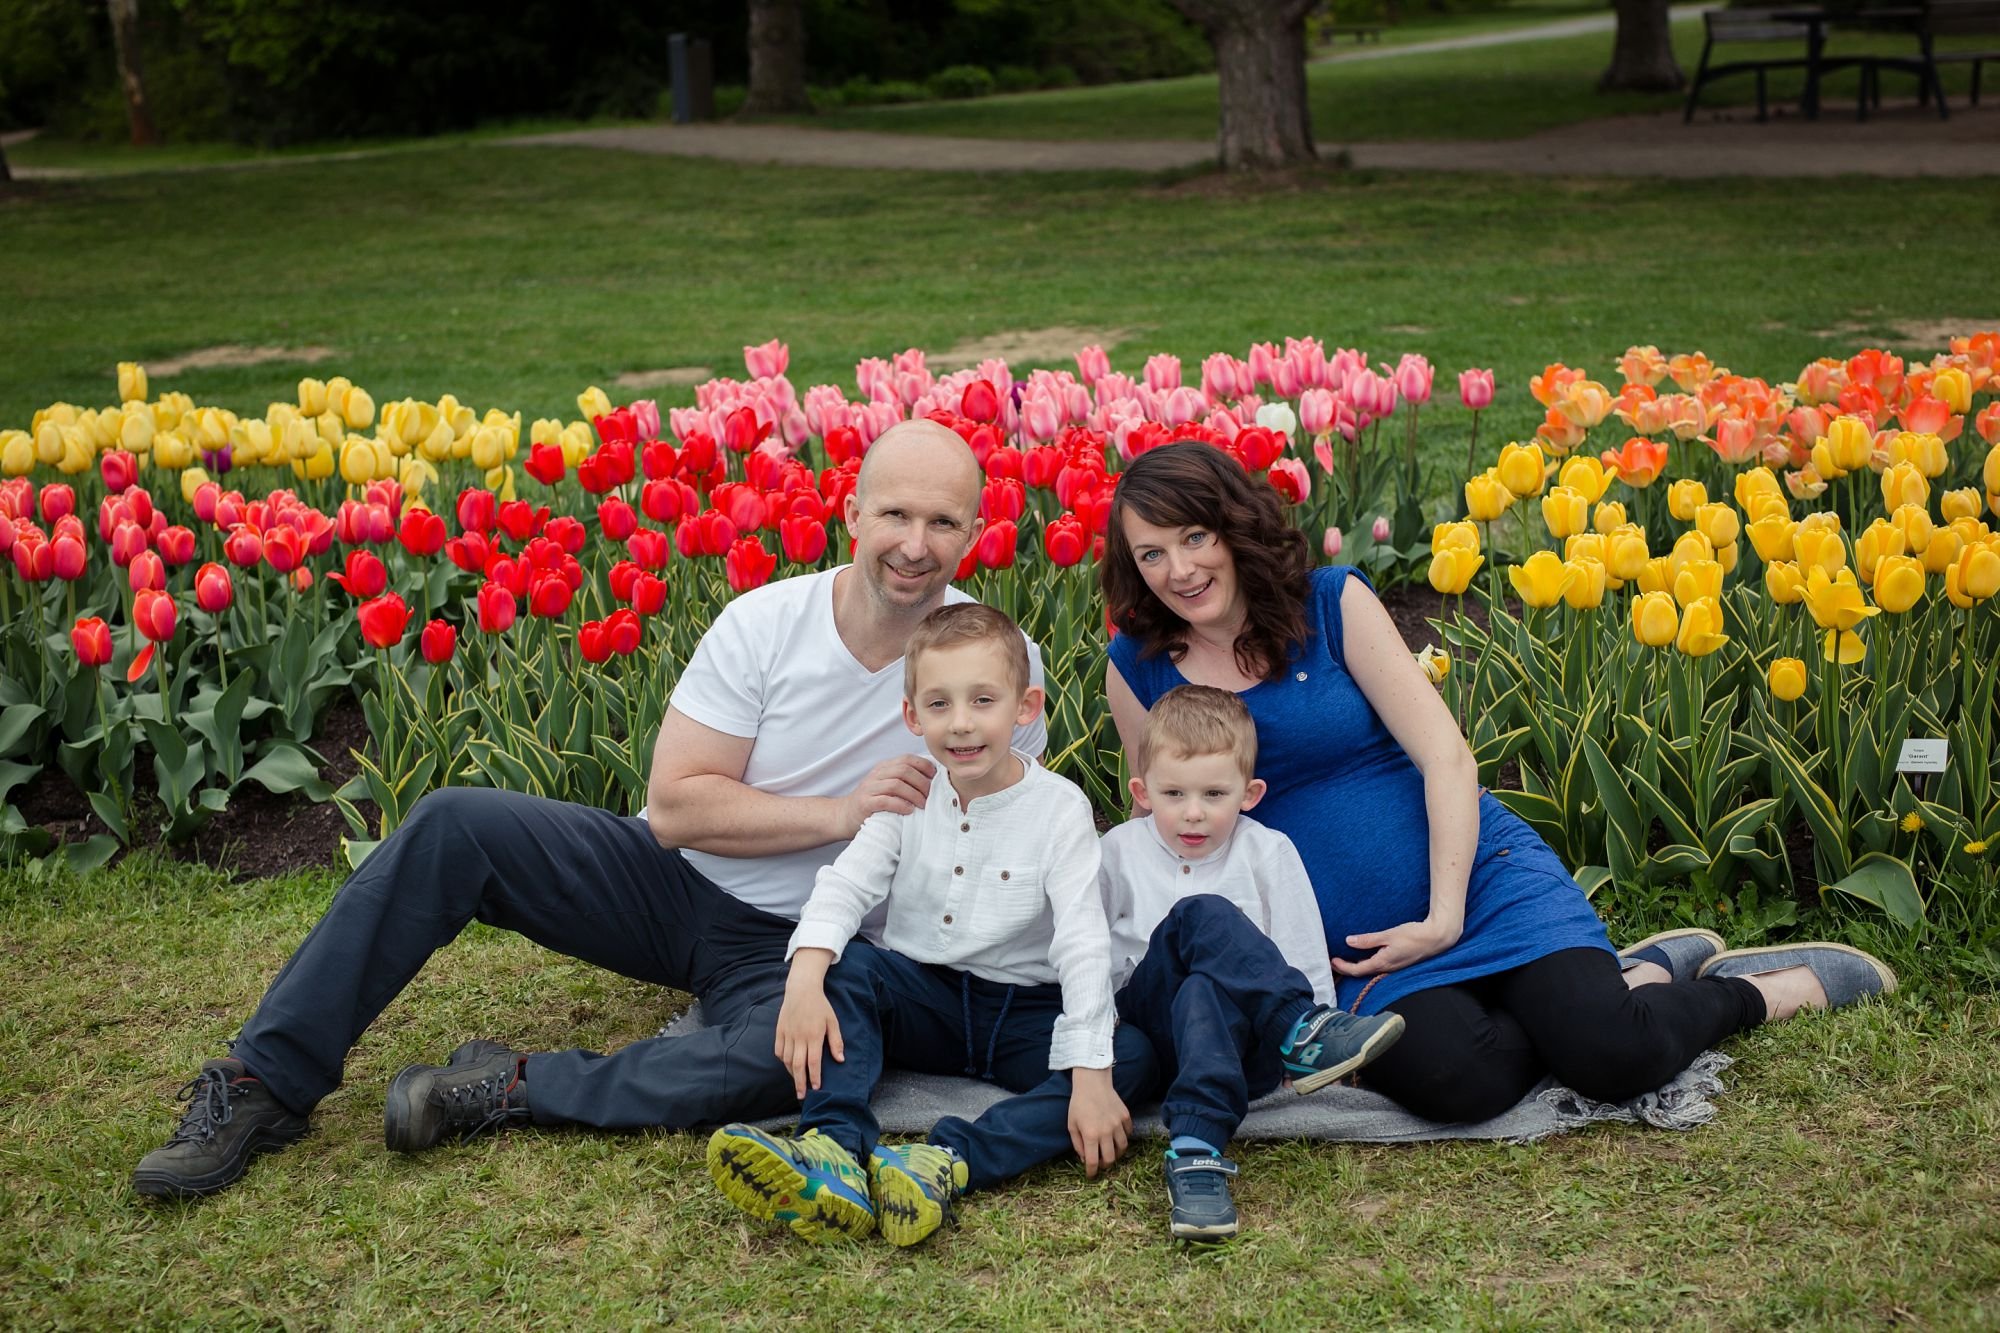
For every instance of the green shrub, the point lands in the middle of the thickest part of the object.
(901, 90)
(1016, 79)
(958, 82)
(1060, 76)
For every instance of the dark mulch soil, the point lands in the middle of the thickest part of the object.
(260, 834)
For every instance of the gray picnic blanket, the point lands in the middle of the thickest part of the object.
(907, 1103)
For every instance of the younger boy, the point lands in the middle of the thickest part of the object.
(995, 963)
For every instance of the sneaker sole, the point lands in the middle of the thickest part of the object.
(1204, 1234)
(759, 1178)
(905, 1212)
(1385, 1036)
(1882, 969)
(168, 1185)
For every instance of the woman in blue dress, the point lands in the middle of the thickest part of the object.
(1439, 902)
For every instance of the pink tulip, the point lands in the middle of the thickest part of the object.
(1220, 379)
(1340, 368)
(1475, 388)
(1092, 364)
(1289, 475)
(1413, 379)
(1380, 530)
(1331, 543)
(1316, 411)
(127, 540)
(1042, 416)
(768, 360)
(1163, 373)
(1286, 381)
(1309, 358)
(1263, 361)
(1183, 405)
(646, 413)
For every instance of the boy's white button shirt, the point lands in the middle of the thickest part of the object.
(1258, 869)
(1005, 889)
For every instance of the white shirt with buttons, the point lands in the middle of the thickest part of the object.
(1257, 868)
(1005, 888)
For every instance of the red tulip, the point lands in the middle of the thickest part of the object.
(67, 557)
(214, 590)
(804, 539)
(698, 454)
(17, 498)
(175, 545)
(469, 552)
(421, 532)
(284, 548)
(206, 497)
(591, 640)
(649, 594)
(745, 507)
(1040, 465)
(229, 509)
(302, 579)
(439, 641)
(155, 614)
(1065, 539)
(843, 443)
(520, 520)
(662, 501)
(1005, 462)
(91, 638)
(549, 595)
(147, 570)
(364, 577)
(996, 544)
(33, 559)
(142, 505)
(476, 510)
(599, 472)
(496, 608)
(742, 432)
(658, 460)
(622, 576)
(748, 565)
(383, 620)
(623, 631)
(616, 520)
(980, 402)
(243, 547)
(1259, 447)
(119, 470)
(545, 463)
(1005, 498)
(568, 533)
(387, 492)
(57, 499)
(127, 540)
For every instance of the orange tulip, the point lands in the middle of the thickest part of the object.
(1638, 462)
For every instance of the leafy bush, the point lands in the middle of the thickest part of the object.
(1016, 79)
(956, 82)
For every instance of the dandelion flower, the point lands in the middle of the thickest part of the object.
(1912, 822)
(1976, 848)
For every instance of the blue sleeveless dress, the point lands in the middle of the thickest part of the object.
(1352, 801)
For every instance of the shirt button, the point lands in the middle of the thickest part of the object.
(1302, 675)
(965, 828)
(1186, 869)
(958, 870)
(947, 918)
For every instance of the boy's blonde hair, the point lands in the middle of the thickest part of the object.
(967, 622)
(1192, 720)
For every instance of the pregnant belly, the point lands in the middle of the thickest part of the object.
(1365, 844)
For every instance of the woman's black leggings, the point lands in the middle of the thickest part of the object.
(1474, 1049)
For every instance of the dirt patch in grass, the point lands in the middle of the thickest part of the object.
(673, 377)
(232, 355)
(1057, 345)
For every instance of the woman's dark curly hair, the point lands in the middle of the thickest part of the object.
(1198, 485)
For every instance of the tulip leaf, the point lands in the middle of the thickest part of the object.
(1539, 812)
(1883, 882)
(111, 813)
(1625, 830)
(1592, 878)
(1676, 861)
(15, 721)
(357, 850)
(90, 854)
(13, 775)
(1822, 816)
(284, 767)
(1742, 822)
(1670, 814)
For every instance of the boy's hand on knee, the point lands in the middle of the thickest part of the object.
(1099, 1125)
(806, 1023)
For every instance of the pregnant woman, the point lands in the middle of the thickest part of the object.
(1439, 903)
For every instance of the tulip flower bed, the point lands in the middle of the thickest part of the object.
(514, 601)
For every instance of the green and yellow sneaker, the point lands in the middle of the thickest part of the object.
(811, 1183)
(914, 1187)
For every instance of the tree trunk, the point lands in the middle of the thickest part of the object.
(1642, 52)
(131, 75)
(5, 174)
(1260, 67)
(777, 59)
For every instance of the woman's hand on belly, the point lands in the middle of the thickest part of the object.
(1398, 946)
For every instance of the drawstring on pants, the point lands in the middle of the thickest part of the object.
(993, 1043)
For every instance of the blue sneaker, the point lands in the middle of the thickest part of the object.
(811, 1183)
(1198, 1190)
(913, 1188)
(1328, 1045)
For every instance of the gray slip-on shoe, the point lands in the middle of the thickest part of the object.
(1680, 952)
(1845, 973)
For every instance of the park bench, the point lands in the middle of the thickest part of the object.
(1941, 18)
(1725, 26)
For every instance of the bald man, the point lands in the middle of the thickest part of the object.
(783, 734)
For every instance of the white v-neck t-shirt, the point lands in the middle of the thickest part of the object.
(773, 669)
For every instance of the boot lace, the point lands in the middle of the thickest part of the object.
(208, 1095)
(472, 1108)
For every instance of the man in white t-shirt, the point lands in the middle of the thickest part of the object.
(783, 734)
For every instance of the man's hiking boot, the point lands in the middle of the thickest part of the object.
(230, 1118)
(480, 1088)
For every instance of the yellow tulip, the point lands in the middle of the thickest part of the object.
(357, 461)
(315, 465)
(1784, 582)
(1697, 579)
(330, 427)
(460, 418)
(1973, 577)
(1436, 663)
(357, 409)
(1726, 556)
(1903, 485)
(77, 456)
(1453, 537)
(301, 439)
(1610, 515)
(337, 390)
(169, 408)
(1808, 483)
(132, 382)
(192, 480)
(1961, 503)
(1625, 551)
(1688, 546)
(1926, 453)
(1943, 551)
(1878, 539)
(577, 444)
(1522, 469)
(1565, 511)
(1763, 505)
(1485, 497)
(1970, 531)
(436, 446)
(1586, 476)
(1899, 583)
(501, 482)
(1701, 628)
(17, 453)
(593, 403)
(489, 448)
(1990, 471)
(1753, 482)
(415, 473)
(48, 443)
(312, 397)
(1836, 602)
(1542, 579)
(1788, 678)
(1771, 536)
(1585, 546)
(1843, 646)
(99, 429)
(1822, 465)
(171, 450)
(1656, 575)
(1588, 579)
(1452, 568)
(1719, 523)
(1655, 619)
(1684, 497)
(1820, 548)
(1849, 442)
(1952, 387)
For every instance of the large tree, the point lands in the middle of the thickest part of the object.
(777, 59)
(131, 74)
(1260, 67)
(1642, 51)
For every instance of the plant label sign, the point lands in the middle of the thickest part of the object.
(1923, 756)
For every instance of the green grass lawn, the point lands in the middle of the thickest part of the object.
(1849, 1180)
(516, 277)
